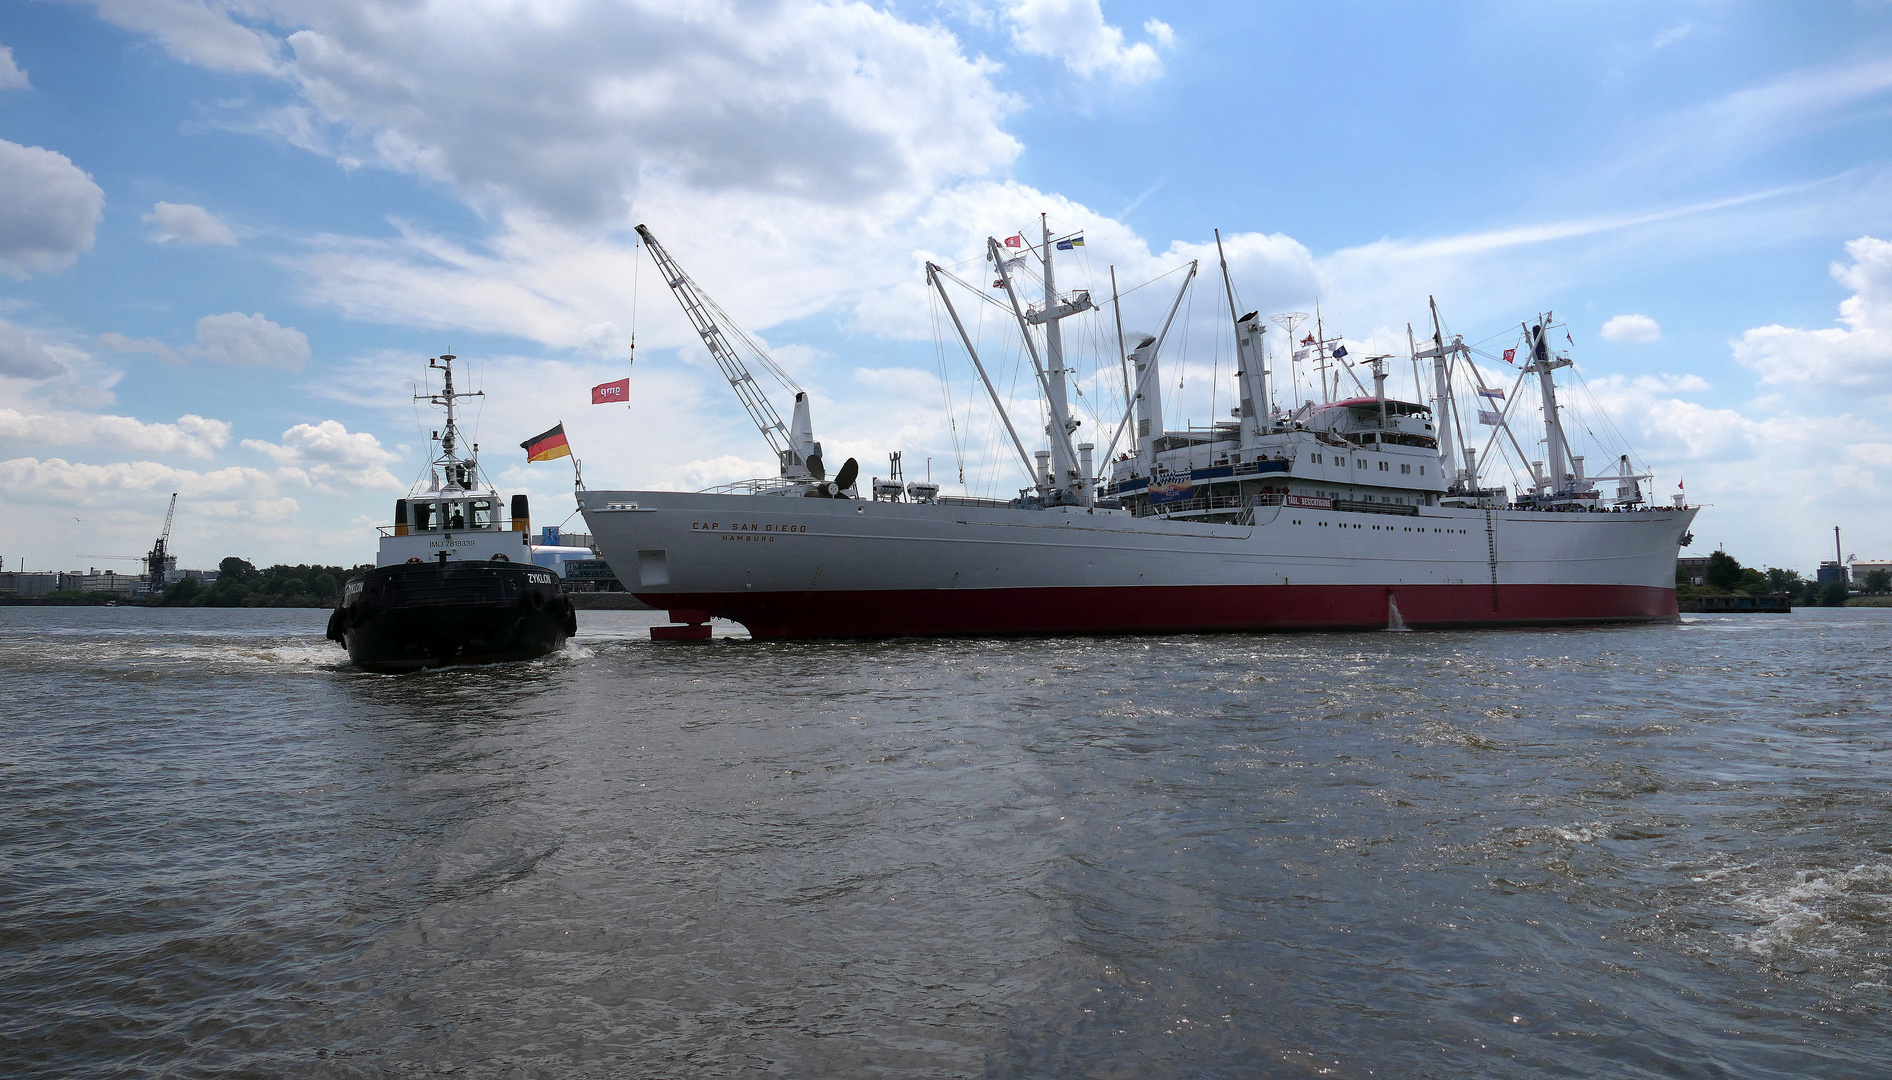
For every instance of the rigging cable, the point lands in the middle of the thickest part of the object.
(945, 383)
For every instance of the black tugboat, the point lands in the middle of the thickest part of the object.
(453, 583)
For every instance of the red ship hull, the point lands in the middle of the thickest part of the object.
(1169, 609)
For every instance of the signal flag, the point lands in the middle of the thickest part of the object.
(606, 393)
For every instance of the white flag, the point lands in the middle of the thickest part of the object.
(1489, 419)
(1301, 354)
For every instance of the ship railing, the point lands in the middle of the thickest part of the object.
(1249, 502)
(762, 485)
(416, 530)
(968, 500)
(1208, 502)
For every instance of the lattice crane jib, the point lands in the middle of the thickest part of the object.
(708, 321)
(157, 562)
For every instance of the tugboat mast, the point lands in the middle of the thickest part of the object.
(449, 436)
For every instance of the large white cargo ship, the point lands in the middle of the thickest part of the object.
(1344, 512)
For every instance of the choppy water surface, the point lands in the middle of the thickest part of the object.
(1657, 851)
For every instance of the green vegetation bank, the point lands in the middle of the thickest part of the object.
(239, 584)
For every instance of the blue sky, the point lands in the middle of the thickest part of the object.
(231, 231)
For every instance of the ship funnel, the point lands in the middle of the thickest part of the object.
(521, 514)
(400, 517)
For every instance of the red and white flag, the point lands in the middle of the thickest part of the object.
(1511, 356)
(611, 392)
(1014, 241)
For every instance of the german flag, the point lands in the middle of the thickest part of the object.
(545, 447)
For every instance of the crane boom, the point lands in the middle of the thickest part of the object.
(708, 319)
(157, 563)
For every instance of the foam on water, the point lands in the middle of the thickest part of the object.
(1820, 912)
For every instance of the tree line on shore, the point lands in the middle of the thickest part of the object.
(241, 584)
(1725, 576)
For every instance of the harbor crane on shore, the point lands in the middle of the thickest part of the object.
(158, 562)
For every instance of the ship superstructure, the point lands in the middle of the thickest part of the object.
(1350, 511)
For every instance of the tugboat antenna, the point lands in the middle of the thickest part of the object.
(449, 435)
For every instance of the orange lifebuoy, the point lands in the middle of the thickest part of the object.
(417, 559)
(501, 558)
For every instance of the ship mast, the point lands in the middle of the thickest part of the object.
(1251, 368)
(453, 470)
(1065, 477)
(1445, 409)
(1556, 448)
(1066, 484)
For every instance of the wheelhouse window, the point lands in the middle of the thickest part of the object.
(482, 514)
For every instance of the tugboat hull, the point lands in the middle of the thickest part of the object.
(411, 616)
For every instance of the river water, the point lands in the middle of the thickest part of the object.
(1632, 852)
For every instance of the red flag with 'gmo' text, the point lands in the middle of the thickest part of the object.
(607, 393)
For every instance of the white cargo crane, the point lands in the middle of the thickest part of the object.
(158, 563)
(795, 446)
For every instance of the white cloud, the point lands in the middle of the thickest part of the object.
(191, 435)
(187, 224)
(11, 76)
(66, 483)
(1673, 34)
(1075, 32)
(25, 355)
(115, 342)
(1640, 329)
(73, 506)
(1852, 359)
(330, 458)
(49, 208)
(197, 32)
(248, 341)
(573, 111)
(1686, 142)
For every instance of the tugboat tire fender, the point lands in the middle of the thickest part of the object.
(335, 625)
(536, 600)
(355, 614)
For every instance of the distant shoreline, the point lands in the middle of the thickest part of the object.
(70, 601)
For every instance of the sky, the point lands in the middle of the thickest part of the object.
(233, 231)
